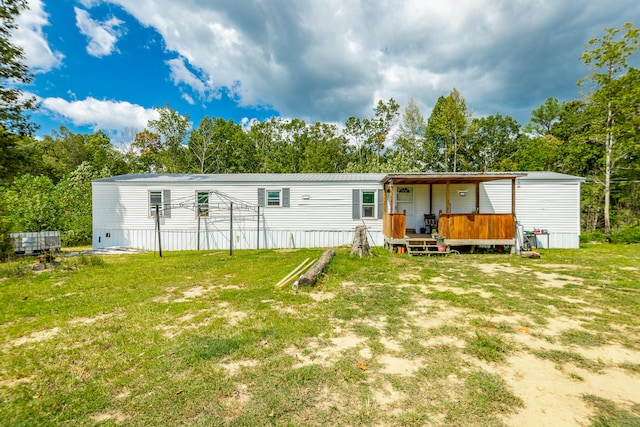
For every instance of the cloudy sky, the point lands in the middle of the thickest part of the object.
(105, 64)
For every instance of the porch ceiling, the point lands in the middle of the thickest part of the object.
(453, 178)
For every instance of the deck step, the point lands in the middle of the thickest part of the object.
(426, 249)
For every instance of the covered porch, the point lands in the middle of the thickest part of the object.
(422, 209)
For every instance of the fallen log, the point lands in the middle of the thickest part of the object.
(299, 272)
(530, 254)
(311, 277)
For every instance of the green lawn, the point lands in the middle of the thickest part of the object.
(202, 338)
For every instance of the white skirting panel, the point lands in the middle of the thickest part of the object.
(176, 240)
(564, 240)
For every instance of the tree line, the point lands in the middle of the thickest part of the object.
(46, 184)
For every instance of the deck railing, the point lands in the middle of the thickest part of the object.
(394, 225)
(477, 226)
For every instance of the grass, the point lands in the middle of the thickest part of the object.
(202, 338)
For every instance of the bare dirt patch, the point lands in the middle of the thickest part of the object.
(233, 368)
(321, 296)
(555, 280)
(554, 397)
(399, 366)
(325, 354)
(35, 337)
(115, 416)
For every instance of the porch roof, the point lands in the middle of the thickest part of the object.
(451, 177)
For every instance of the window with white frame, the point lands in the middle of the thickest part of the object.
(274, 198)
(203, 203)
(155, 203)
(368, 204)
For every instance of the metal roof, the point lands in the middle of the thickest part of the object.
(452, 177)
(545, 175)
(398, 178)
(246, 177)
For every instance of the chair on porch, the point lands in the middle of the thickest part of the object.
(430, 223)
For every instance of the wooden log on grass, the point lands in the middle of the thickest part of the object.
(311, 277)
(530, 254)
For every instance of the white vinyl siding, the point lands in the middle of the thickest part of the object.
(312, 214)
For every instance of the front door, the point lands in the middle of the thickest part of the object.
(404, 202)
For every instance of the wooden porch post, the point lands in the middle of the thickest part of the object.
(448, 199)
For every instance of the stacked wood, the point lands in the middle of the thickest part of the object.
(311, 277)
(360, 244)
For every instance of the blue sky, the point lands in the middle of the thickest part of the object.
(105, 64)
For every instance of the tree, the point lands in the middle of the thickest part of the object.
(13, 105)
(607, 58)
(173, 128)
(15, 155)
(63, 151)
(213, 146)
(73, 192)
(493, 143)
(411, 136)
(33, 205)
(447, 128)
(369, 136)
(543, 117)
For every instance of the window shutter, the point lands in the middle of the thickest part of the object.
(379, 203)
(261, 197)
(166, 203)
(285, 198)
(356, 204)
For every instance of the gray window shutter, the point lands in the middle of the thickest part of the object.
(379, 204)
(166, 202)
(285, 198)
(356, 204)
(261, 197)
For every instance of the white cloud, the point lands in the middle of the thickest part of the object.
(100, 114)
(29, 36)
(331, 59)
(102, 35)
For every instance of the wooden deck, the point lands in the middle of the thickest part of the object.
(477, 227)
(458, 230)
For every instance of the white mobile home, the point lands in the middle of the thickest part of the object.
(269, 210)
(250, 211)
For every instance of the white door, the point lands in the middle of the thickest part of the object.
(404, 202)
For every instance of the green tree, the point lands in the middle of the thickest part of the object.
(448, 127)
(209, 144)
(607, 58)
(369, 136)
(408, 145)
(493, 143)
(73, 192)
(145, 151)
(540, 153)
(325, 150)
(13, 106)
(173, 129)
(63, 151)
(543, 117)
(33, 205)
(16, 155)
